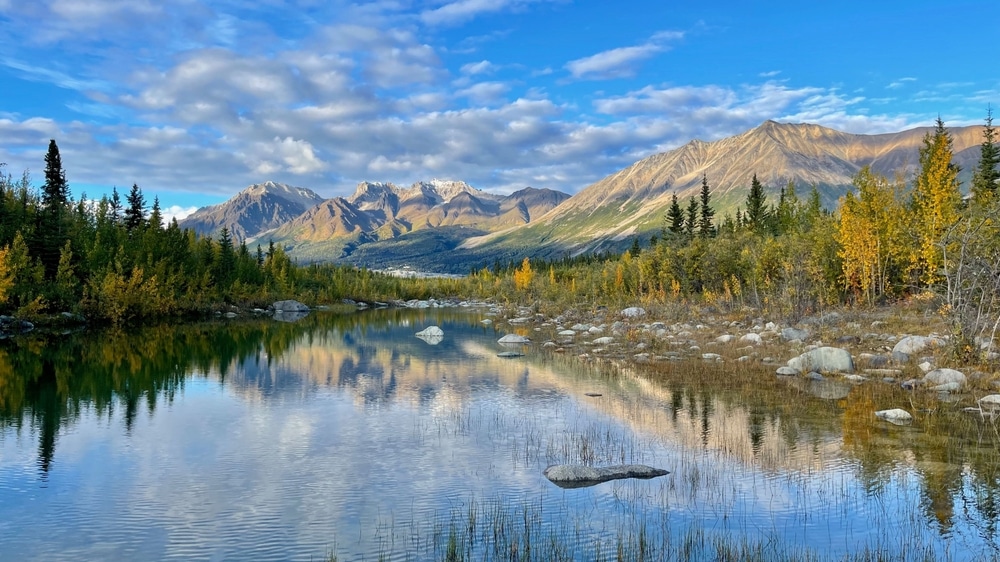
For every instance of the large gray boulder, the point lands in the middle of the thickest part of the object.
(945, 376)
(824, 360)
(634, 312)
(578, 476)
(911, 345)
(289, 306)
(789, 334)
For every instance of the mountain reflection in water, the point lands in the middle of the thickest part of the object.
(269, 440)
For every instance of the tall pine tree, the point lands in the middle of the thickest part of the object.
(135, 213)
(691, 223)
(705, 226)
(986, 179)
(675, 217)
(51, 232)
(757, 214)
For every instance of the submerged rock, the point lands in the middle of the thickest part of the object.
(578, 476)
(513, 338)
(509, 354)
(897, 416)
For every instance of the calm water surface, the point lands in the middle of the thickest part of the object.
(347, 434)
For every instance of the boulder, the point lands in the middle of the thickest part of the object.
(711, 357)
(513, 338)
(897, 416)
(289, 306)
(788, 371)
(789, 334)
(911, 345)
(824, 359)
(578, 476)
(752, 338)
(566, 333)
(634, 312)
(726, 338)
(606, 340)
(430, 331)
(946, 387)
(990, 402)
(945, 376)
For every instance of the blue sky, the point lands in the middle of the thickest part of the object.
(196, 99)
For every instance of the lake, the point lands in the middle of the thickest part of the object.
(345, 436)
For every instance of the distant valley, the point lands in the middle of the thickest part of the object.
(450, 226)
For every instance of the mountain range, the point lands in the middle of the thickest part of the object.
(382, 224)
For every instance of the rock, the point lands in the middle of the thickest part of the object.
(592, 394)
(725, 338)
(566, 333)
(603, 341)
(897, 416)
(911, 345)
(595, 330)
(789, 334)
(946, 387)
(926, 367)
(847, 340)
(577, 476)
(513, 338)
(509, 354)
(231, 315)
(752, 338)
(486, 321)
(580, 327)
(633, 312)
(990, 401)
(711, 357)
(430, 331)
(945, 376)
(289, 306)
(824, 359)
(292, 316)
(855, 378)
(788, 371)
(814, 376)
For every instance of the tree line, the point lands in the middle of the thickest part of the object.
(118, 261)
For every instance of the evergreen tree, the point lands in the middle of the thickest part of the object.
(225, 262)
(692, 217)
(705, 226)
(757, 213)
(155, 216)
(115, 206)
(635, 250)
(675, 217)
(135, 214)
(51, 232)
(986, 179)
(935, 204)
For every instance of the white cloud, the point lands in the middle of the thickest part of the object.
(481, 67)
(614, 63)
(622, 61)
(901, 82)
(177, 212)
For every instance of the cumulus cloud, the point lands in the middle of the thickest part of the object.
(460, 11)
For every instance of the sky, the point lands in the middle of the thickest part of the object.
(194, 100)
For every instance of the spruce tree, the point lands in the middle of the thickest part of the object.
(155, 215)
(675, 216)
(692, 217)
(705, 226)
(757, 214)
(115, 206)
(135, 214)
(51, 232)
(986, 179)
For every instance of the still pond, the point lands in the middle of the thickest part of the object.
(344, 436)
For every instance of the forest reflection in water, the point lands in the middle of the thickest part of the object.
(282, 440)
